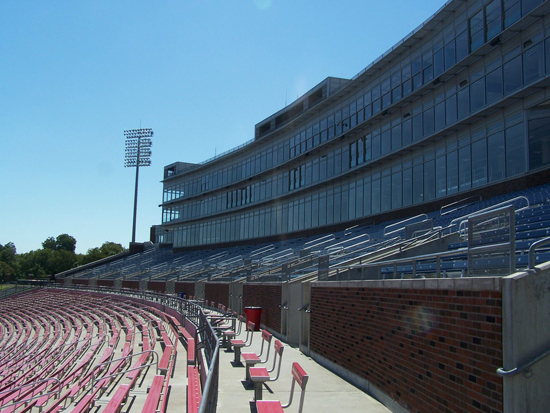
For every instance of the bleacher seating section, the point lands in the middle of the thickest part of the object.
(69, 350)
(359, 244)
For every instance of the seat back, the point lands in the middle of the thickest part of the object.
(298, 376)
(278, 347)
(266, 338)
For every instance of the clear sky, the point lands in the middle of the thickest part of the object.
(75, 74)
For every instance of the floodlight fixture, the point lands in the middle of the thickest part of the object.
(137, 153)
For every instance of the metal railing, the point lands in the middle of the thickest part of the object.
(534, 246)
(525, 367)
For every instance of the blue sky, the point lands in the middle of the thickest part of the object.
(75, 74)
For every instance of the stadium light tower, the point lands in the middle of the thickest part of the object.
(138, 153)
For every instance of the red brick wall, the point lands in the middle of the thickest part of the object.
(130, 284)
(430, 350)
(267, 296)
(187, 288)
(158, 286)
(217, 292)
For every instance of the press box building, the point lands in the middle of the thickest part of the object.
(459, 106)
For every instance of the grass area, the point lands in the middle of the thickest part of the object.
(6, 286)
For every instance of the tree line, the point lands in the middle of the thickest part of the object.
(56, 255)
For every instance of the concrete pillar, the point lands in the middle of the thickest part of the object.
(525, 335)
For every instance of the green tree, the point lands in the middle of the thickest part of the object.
(63, 242)
(106, 250)
(9, 265)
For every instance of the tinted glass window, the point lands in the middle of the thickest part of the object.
(512, 75)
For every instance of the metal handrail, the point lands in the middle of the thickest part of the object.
(33, 397)
(525, 367)
(94, 380)
(533, 247)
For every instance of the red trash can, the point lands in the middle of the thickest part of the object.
(253, 314)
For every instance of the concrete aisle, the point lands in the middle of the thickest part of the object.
(325, 392)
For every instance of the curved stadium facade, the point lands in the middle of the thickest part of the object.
(460, 105)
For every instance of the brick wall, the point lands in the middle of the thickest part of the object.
(187, 288)
(158, 286)
(130, 284)
(81, 281)
(105, 283)
(267, 296)
(217, 292)
(431, 350)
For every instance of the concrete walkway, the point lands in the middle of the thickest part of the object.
(325, 392)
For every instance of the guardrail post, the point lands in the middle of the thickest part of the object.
(322, 274)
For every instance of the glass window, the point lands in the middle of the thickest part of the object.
(492, 19)
(479, 163)
(417, 184)
(496, 161)
(396, 137)
(385, 143)
(406, 131)
(461, 46)
(360, 151)
(512, 12)
(396, 190)
(385, 198)
(417, 81)
(375, 147)
(417, 127)
(533, 63)
(439, 63)
(407, 87)
(512, 75)
(407, 187)
(439, 116)
(416, 66)
(386, 100)
(463, 102)
(428, 122)
(359, 199)
(353, 154)
(376, 105)
(494, 85)
(464, 168)
(452, 173)
(429, 180)
(440, 176)
(477, 37)
(351, 201)
(367, 198)
(450, 54)
(450, 110)
(375, 196)
(529, 5)
(477, 94)
(539, 142)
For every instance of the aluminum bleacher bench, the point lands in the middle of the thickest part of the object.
(274, 406)
(194, 393)
(259, 375)
(238, 343)
(119, 398)
(190, 341)
(164, 362)
(153, 397)
(251, 359)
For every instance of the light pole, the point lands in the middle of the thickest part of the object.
(138, 153)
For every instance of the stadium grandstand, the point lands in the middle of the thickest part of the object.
(390, 232)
